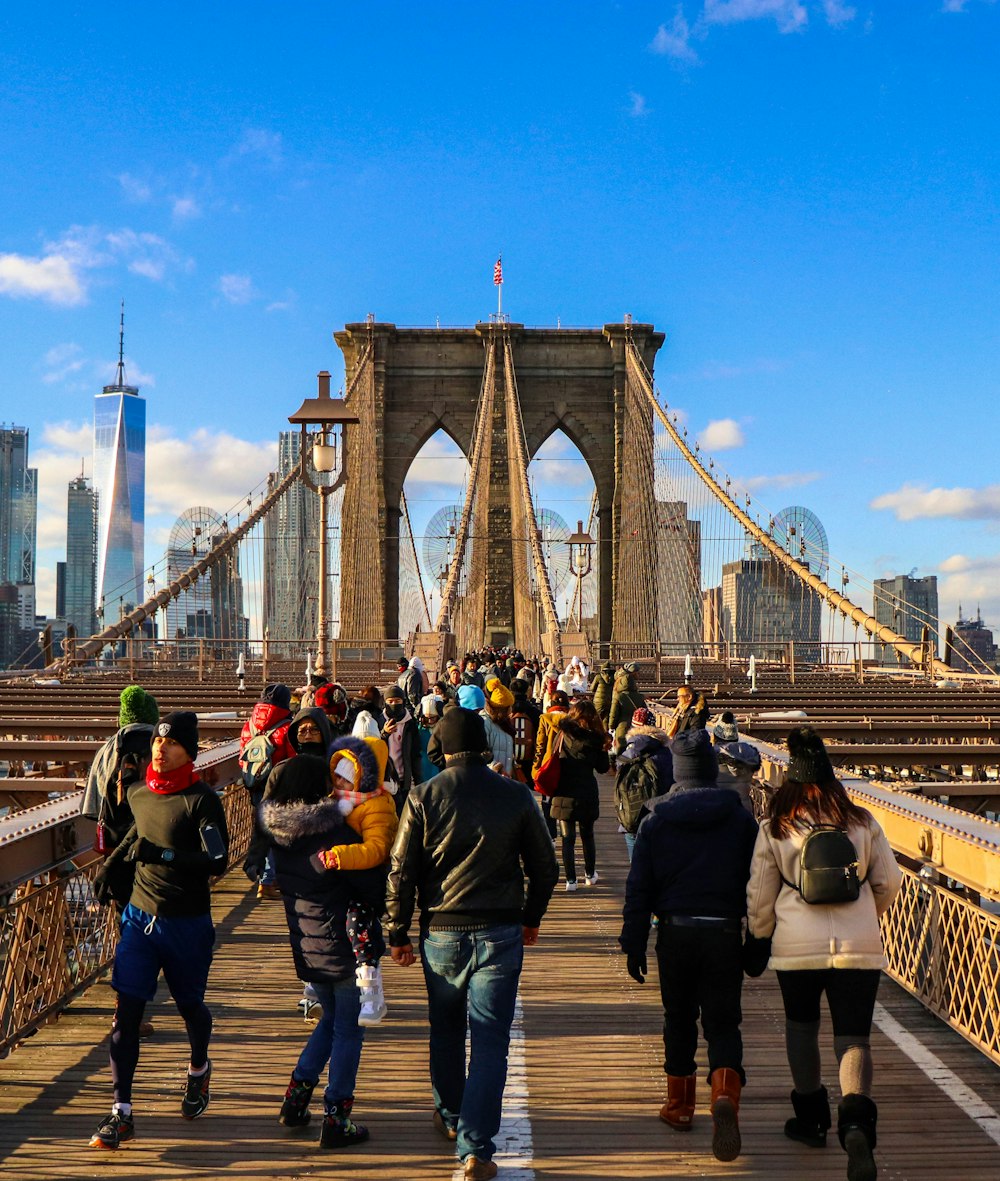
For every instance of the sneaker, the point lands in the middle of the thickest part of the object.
(196, 1094)
(114, 1131)
(295, 1109)
(373, 1007)
(592, 878)
(570, 887)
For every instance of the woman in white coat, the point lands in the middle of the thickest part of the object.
(831, 948)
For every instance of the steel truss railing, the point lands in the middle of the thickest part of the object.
(56, 939)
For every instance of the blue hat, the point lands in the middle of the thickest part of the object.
(695, 761)
(744, 754)
(471, 697)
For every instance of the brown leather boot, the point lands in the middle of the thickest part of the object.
(726, 1087)
(678, 1111)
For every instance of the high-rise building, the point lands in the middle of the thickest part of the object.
(18, 523)
(76, 596)
(971, 648)
(906, 604)
(120, 483)
(291, 557)
(679, 602)
(764, 603)
(18, 507)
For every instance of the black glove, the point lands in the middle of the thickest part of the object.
(756, 953)
(144, 850)
(635, 961)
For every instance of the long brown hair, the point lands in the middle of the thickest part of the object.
(797, 804)
(584, 714)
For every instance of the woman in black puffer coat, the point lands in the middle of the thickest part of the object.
(300, 818)
(576, 803)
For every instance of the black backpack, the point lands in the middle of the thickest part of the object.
(828, 868)
(636, 783)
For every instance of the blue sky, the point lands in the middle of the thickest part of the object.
(802, 194)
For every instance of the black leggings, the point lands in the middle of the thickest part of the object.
(850, 993)
(567, 831)
(124, 1050)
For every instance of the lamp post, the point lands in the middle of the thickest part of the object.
(580, 563)
(326, 414)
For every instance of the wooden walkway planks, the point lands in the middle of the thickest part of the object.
(586, 1079)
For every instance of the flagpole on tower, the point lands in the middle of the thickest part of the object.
(498, 283)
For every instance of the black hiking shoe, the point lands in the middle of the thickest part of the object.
(114, 1131)
(196, 1095)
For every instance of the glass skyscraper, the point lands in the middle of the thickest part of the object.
(78, 583)
(18, 507)
(120, 484)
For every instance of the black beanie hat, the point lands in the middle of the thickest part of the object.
(808, 761)
(182, 727)
(277, 694)
(460, 731)
(695, 761)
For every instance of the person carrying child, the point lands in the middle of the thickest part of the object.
(357, 769)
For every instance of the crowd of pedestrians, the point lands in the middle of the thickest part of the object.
(425, 818)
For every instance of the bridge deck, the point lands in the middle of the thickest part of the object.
(585, 1085)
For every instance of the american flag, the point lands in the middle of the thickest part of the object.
(497, 273)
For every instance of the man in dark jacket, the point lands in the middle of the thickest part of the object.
(180, 841)
(466, 840)
(269, 721)
(690, 868)
(398, 730)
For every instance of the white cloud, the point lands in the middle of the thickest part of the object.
(185, 208)
(673, 40)
(440, 465)
(838, 13)
(238, 289)
(721, 435)
(973, 584)
(779, 481)
(260, 143)
(134, 188)
(61, 361)
(52, 278)
(789, 15)
(638, 106)
(915, 502)
(558, 465)
(954, 5)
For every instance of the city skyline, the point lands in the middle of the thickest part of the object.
(801, 194)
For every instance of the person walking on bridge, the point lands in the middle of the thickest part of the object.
(690, 868)
(178, 843)
(466, 840)
(820, 947)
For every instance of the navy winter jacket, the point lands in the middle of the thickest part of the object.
(692, 857)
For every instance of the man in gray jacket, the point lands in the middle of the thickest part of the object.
(466, 840)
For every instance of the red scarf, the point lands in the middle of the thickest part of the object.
(165, 783)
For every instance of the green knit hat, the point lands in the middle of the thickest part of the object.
(137, 706)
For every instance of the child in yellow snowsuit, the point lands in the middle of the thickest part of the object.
(357, 767)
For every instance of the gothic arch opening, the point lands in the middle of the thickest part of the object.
(565, 494)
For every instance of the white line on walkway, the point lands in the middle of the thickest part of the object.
(975, 1107)
(515, 1148)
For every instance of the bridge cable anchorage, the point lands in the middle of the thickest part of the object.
(484, 417)
(523, 506)
(124, 627)
(917, 653)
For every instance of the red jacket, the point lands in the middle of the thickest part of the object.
(262, 717)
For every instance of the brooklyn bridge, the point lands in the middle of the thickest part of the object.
(677, 571)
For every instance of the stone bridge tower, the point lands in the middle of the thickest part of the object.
(425, 380)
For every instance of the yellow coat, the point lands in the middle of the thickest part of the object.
(375, 821)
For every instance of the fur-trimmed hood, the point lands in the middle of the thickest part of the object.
(369, 756)
(287, 823)
(653, 732)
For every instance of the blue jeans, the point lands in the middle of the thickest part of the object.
(337, 1038)
(471, 978)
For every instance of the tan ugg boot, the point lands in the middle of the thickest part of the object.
(678, 1111)
(726, 1087)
